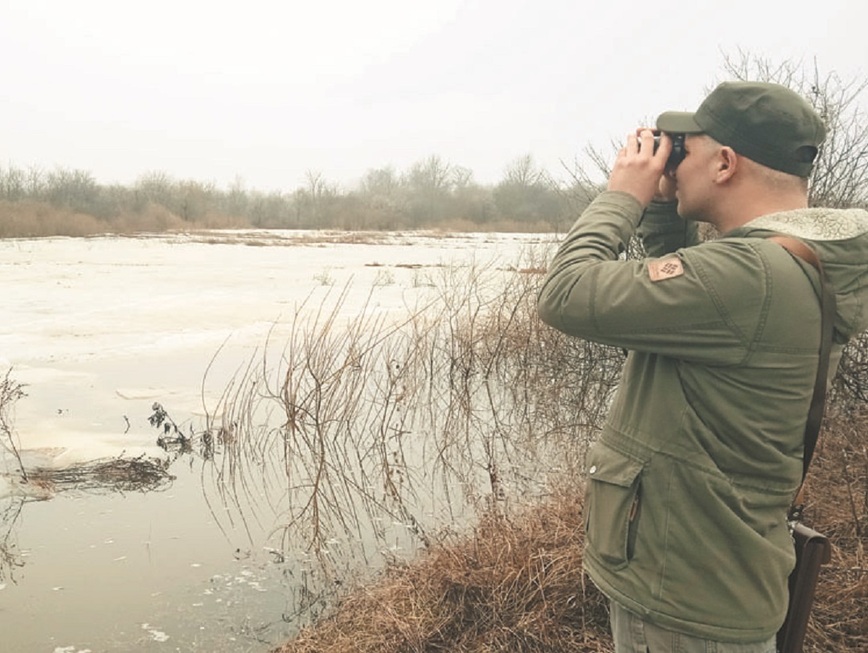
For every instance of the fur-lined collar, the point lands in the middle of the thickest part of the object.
(815, 223)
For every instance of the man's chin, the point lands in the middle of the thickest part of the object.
(685, 214)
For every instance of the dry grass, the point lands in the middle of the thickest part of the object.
(515, 584)
(31, 218)
(837, 506)
(35, 219)
(502, 225)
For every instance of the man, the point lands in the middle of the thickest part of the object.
(692, 476)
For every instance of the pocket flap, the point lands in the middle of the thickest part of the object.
(610, 466)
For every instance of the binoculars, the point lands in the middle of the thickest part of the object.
(677, 155)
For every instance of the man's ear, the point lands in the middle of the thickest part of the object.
(726, 164)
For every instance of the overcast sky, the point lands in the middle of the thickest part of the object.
(263, 90)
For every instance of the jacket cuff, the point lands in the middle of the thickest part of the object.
(662, 216)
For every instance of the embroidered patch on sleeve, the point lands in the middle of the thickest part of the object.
(665, 268)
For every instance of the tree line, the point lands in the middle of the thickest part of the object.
(432, 193)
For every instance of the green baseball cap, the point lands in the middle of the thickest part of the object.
(765, 122)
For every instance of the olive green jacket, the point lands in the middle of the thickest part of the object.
(691, 478)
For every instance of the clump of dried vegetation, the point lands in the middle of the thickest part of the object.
(513, 584)
(462, 414)
(120, 474)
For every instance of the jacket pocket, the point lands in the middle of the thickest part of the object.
(612, 505)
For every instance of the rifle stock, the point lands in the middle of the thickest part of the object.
(813, 550)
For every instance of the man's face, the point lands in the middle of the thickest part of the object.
(693, 178)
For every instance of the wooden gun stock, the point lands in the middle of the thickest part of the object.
(812, 552)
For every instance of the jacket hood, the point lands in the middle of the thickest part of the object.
(840, 238)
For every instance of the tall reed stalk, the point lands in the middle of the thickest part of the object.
(364, 425)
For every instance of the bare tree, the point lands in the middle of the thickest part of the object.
(527, 194)
(428, 183)
(74, 189)
(523, 172)
(380, 182)
(313, 200)
(12, 183)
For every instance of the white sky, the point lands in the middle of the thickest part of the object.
(263, 90)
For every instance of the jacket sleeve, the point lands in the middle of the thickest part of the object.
(662, 231)
(708, 311)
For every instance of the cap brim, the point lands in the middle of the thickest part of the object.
(678, 122)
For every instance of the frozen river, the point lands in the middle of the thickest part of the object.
(98, 329)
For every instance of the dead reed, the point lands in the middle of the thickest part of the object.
(376, 430)
(10, 392)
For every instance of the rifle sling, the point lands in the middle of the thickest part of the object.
(827, 316)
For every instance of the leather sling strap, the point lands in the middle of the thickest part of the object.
(827, 316)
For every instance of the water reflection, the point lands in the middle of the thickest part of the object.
(10, 555)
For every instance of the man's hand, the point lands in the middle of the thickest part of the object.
(638, 169)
